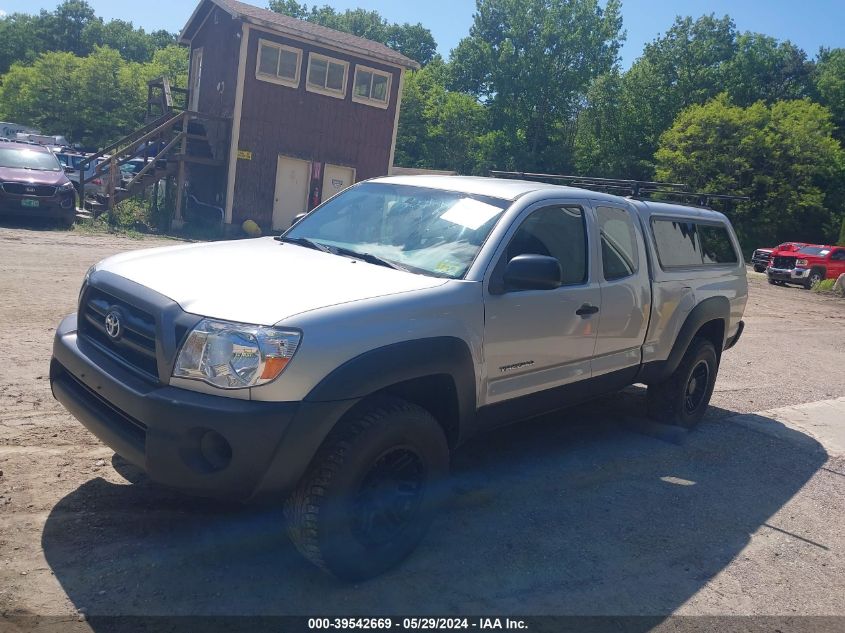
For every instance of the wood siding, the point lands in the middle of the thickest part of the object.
(278, 119)
(218, 37)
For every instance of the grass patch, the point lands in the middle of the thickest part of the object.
(826, 286)
(136, 218)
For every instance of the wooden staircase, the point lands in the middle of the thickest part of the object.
(170, 140)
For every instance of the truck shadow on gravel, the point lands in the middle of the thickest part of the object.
(583, 512)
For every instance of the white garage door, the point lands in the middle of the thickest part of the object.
(292, 179)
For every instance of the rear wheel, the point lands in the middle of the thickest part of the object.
(369, 496)
(682, 399)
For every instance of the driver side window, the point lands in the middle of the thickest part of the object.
(557, 232)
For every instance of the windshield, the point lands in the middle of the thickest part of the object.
(17, 158)
(814, 250)
(424, 230)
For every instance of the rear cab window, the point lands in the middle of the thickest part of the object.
(618, 243)
(683, 243)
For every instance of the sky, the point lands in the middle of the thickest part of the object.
(810, 24)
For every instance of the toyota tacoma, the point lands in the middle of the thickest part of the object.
(334, 368)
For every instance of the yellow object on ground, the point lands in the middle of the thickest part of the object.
(251, 228)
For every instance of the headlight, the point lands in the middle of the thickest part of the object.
(68, 186)
(235, 355)
(801, 262)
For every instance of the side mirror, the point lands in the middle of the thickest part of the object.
(70, 170)
(533, 272)
(297, 218)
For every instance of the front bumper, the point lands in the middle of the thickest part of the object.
(61, 205)
(789, 275)
(202, 444)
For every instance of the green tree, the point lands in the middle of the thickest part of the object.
(830, 85)
(782, 156)
(439, 128)
(530, 62)
(412, 40)
(73, 27)
(19, 40)
(133, 44)
(683, 67)
(91, 100)
(607, 141)
(64, 28)
(765, 69)
(625, 114)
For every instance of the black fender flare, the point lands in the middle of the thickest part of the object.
(366, 374)
(382, 367)
(711, 309)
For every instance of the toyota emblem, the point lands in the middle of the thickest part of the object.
(30, 189)
(113, 325)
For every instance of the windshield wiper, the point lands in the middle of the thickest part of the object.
(304, 241)
(368, 257)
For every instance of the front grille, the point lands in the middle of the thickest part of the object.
(135, 345)
(21, 189)
(761, 256)
(784, 262)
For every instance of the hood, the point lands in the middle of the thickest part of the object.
(259, 281)
(33, 176)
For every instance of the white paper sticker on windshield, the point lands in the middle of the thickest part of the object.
(470, 213)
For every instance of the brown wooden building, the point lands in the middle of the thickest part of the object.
(313, 110)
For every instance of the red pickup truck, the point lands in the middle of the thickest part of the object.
(760, 258)
(806, 266)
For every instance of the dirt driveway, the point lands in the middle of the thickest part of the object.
(575, 513)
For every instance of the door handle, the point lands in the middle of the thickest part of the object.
(587, 310)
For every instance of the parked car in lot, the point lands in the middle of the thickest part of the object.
(72, 160)
(760, 258)
(129, 169)
(33, 183)
(807, 266)
(414, 312)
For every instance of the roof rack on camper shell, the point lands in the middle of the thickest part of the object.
(630, 188)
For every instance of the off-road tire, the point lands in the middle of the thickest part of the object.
(667, 401)
(322, 514)
(759, 269)
(816, 275)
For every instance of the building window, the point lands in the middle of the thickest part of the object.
(371, 86)
(278, 63)
(327, 76)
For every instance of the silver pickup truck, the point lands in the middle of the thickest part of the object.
(335, 367)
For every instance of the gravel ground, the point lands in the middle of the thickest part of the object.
(576, 513)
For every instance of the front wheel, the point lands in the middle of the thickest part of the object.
(816, 276)
(682, 399)
(759, 269)
(369, 495)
